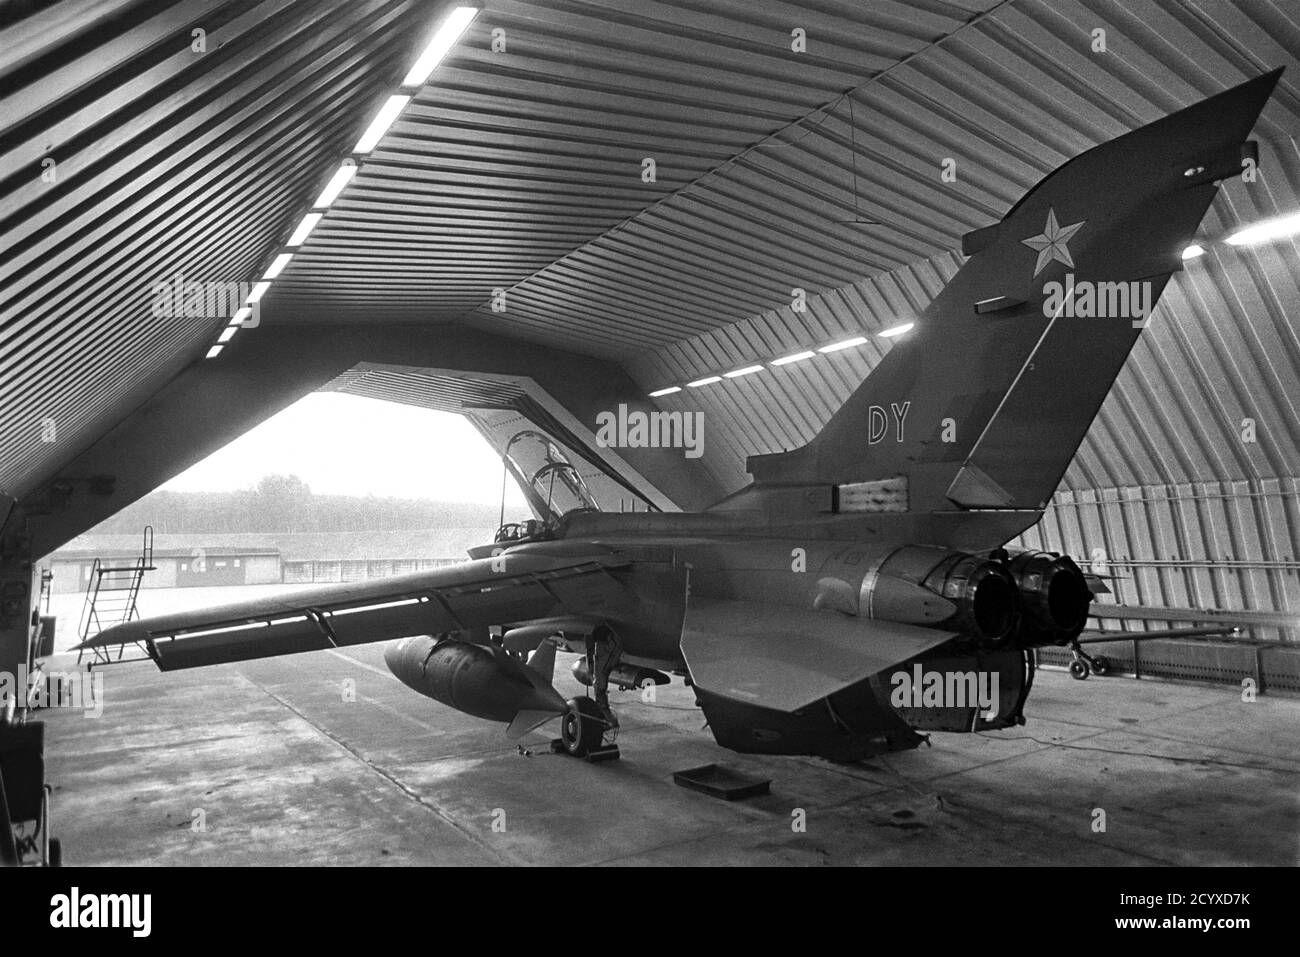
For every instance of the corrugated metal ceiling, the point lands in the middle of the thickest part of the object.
(522, 169)
(443, 393)
(166, 161)
(1223, 346)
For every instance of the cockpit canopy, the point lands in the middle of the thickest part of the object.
(549, 481)
(552, 484)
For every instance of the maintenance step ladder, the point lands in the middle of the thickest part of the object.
(42, 624)
(110, 600)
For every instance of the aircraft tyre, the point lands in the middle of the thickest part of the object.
(582, 727)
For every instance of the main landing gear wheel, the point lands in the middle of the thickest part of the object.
(1085, 664)
(582, 727)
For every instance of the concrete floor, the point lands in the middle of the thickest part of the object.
(285, 770)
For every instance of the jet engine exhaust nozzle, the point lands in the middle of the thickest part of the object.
(985, 595)
(1055, 596)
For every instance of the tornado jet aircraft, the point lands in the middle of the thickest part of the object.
(799, 607)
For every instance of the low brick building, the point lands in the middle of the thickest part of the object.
(208, 559)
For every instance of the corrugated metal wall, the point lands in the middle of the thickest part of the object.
(1205, 545)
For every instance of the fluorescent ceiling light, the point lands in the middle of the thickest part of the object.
(668, 391)
(1269, 229)
(304, 229)
(380, 124)
(1194, 250)
(214, 352)
(259, 290)
(897, 330)
(335, 185)
(846, 344)
(277, 265)
(797, 357)
(444, 38)
(238, 318)
(708, 380)
(228, 333)
(748, 370)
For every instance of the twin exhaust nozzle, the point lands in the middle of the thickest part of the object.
(1024, 600)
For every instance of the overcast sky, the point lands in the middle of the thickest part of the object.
(348, 445)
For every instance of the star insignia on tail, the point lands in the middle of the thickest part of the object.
(1050, 244)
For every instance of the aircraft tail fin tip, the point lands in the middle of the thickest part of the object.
(984, 403)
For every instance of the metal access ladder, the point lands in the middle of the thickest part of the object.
(42, 609)
(110, 600)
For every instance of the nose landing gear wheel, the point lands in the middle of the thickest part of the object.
(1078, 670)
(1099, 665)
(582, 727)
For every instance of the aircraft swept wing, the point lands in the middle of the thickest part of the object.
(465, 599)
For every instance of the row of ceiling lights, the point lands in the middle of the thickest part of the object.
(785, 360)
(444, 38)
(1266, 231)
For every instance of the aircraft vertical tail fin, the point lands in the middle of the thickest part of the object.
(984, 404)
